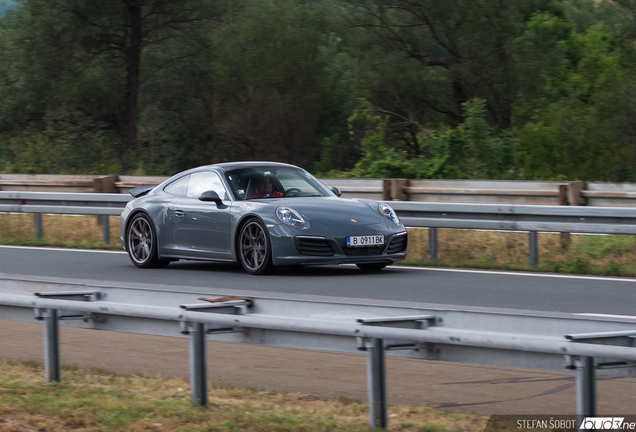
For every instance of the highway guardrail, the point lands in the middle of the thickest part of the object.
(548, 341)
(530, 218)
(429, 190)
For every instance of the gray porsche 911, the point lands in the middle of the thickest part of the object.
(261, 214)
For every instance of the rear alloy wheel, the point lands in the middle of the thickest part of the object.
(142, 243)
(254, 249)
(372, 266)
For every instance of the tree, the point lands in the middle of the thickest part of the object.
(576, 122)
(462, 48)
(90, 57)
(262, 86)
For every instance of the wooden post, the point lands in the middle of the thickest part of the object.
(397, 190)
(573, 197)
(104, 184)
(574, 193)
(386, 190)
(563, 200)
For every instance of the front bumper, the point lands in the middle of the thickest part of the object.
(286, 250)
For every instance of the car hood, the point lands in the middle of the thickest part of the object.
(334, 210)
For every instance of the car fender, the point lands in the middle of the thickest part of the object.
(129, 218)
(239, 225)
(154, 212)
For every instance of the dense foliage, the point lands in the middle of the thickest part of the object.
(499, 89)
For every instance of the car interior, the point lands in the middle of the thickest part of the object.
(244, 185)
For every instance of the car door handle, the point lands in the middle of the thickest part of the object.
(179, 213)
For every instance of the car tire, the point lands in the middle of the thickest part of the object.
(254, 249)
(142, 243)
(372, 267)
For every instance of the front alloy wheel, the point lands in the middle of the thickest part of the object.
(142, 243)
(255, 252)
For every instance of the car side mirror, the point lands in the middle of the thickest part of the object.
(336, 191)
(211, 196)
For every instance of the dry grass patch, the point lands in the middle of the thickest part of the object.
(90, 400)
(594, 254)
(58, 230)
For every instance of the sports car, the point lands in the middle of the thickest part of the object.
(263, 215)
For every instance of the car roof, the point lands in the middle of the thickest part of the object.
(226, 166)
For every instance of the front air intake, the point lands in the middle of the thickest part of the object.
(398, 244)
(313, 246)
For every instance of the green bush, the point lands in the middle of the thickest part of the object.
(579, 266)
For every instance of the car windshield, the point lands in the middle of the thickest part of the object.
(274, 182)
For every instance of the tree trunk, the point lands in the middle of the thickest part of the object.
(459, 97)
(133, 62)
(504, 108)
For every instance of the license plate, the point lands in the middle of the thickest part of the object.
(373, 240)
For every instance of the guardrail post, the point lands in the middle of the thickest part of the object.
(575, 196)
(386, 190)
(38, 226)
(104, 184)
(585, 388)
(432, 243)
(564, 237)
(398, 192)
(198, 367)
(106, 229)
(52, 346)
(376, 377)
(534, 248)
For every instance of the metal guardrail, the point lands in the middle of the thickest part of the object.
(536, 340)
(534, 219)
(464, 191)
(480, 191)
(355, 188)
(65, 203)
(74, 183)
(593, 220)
(609, 194)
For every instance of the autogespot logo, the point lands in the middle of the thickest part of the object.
(606, 423)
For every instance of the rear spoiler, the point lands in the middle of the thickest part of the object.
(141, 190)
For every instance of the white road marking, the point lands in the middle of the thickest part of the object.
(44, 248)
(509, 273)
(607, 315)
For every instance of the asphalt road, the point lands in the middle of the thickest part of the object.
(529, 291)
(451, 386)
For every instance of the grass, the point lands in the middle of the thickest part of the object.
(92, 400)
(58, 230)
(613, 255)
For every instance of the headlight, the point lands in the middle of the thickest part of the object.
(290, 217)
(389, 213)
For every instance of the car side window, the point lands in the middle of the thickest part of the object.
(205, 181)
(178, 187)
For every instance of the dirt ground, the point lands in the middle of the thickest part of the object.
(451, 386)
